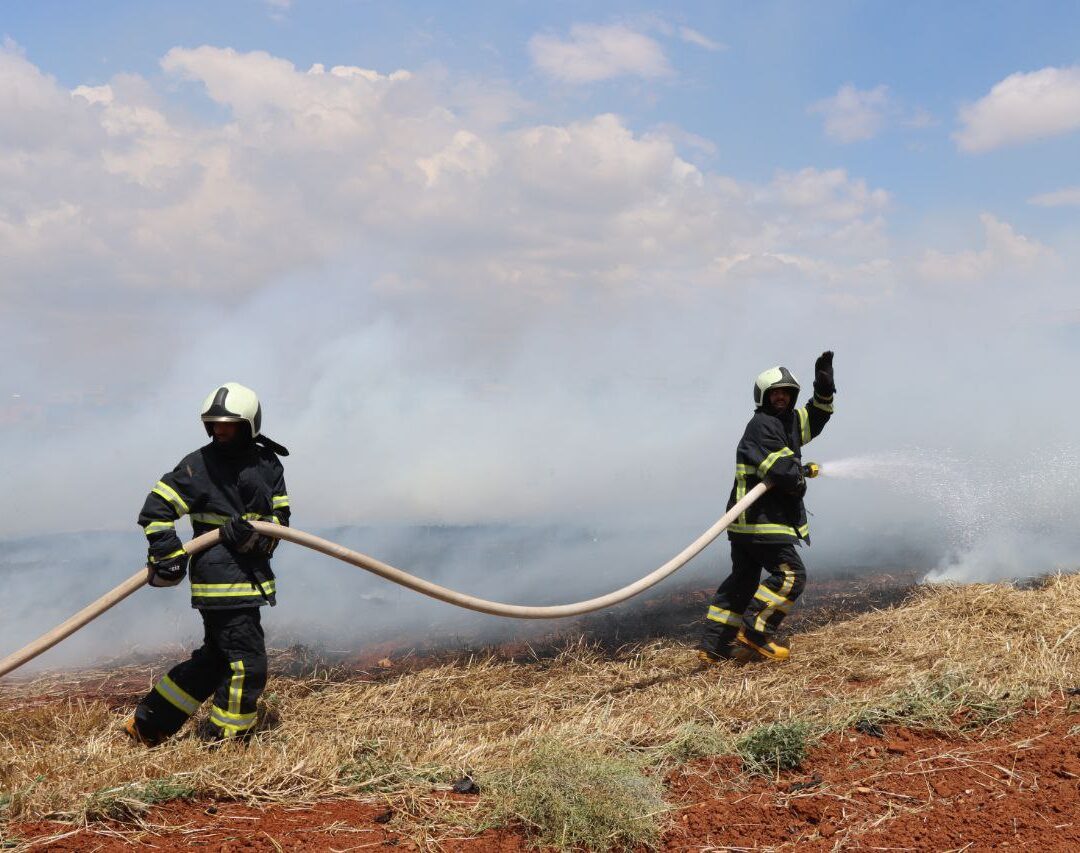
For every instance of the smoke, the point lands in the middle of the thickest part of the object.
(515, 327)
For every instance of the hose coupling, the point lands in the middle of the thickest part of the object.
(811, 470)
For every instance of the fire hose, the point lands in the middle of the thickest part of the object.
(339, 552)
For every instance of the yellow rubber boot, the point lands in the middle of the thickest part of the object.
(766, 648)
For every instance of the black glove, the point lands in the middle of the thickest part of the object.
(799, 489)
(239, 536)
(167, 572)
(824, 384)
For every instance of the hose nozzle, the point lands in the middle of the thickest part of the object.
(811, 470)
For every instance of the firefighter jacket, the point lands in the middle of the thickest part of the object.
(212, 485)
(771, 450)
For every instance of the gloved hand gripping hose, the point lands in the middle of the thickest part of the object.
(515, 611)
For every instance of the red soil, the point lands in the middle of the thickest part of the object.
(1016, 788)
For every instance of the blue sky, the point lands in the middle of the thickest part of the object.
(475, 246)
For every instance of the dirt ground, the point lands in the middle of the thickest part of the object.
(1014, 788)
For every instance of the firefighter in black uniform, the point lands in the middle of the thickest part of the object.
(222, 486)
(744, 614)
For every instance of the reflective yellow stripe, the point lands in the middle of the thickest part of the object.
(158, 526)
(777, 602)
(789, 579)
(280, 501)
(177, 553)
(167, 492)
(761, 624)
(823, 403)
(772, 459)
(725, 617)
(175, 696)
(804, 425)
(211, 518)
(236, 686)
(231, 723)
(740, 486)
(226, 590)
(216, 519)
(769, 529)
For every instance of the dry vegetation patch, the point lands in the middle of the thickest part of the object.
(951, 658)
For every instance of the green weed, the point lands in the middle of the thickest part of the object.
(696, 741)
(132, 800)
(778, 746)
(576, 801)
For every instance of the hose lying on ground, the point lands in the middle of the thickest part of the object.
(331, 549)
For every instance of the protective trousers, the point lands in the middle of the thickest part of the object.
(230, 664)
(742, 602)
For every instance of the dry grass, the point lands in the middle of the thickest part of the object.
(960, 656)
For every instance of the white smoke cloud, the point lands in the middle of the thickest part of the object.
(455, 313)
(1004, 248)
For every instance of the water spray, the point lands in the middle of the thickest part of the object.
(384, 570)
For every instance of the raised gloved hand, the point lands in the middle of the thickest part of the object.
(238, 535)
(824, 384)
(168, 571)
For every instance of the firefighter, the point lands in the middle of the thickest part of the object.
(223, 485)
(744, 614)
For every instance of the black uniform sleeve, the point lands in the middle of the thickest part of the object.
(171, 498)
(764, 447)
(814, 416)
(280, 499)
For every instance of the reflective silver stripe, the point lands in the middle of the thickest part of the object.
(280, 501)
(169, 494)
(761, 624)
(772, 459)
(236, 686)
(211, 518)
(770, 529)
(776, 602)
(175, 696)
(823, 403)
(177, 553)
(158, 526)
(804, 425)
(231, 723)
(789, 579)
(725, 617)
(216, 519)
(740, 486)
(228, 590)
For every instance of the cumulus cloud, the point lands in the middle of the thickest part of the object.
(1066, 197)
(691, 36)
(1021, 108)
(853, 115)
(594, 52)
(1005, 249)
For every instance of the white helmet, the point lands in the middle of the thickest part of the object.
(774, 377)
(232, 403)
